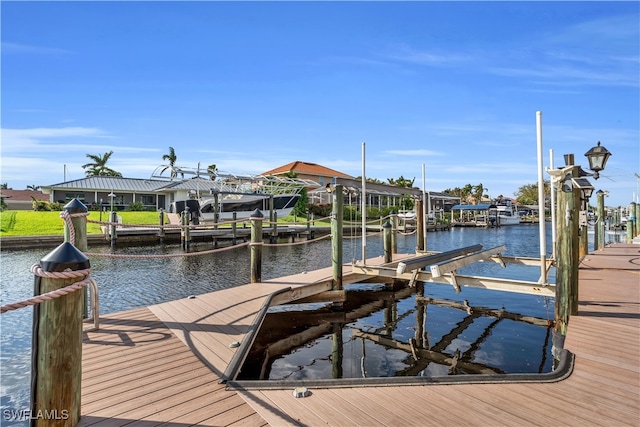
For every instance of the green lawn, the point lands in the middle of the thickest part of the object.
(36, 223)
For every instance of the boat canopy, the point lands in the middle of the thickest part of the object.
(481, 207)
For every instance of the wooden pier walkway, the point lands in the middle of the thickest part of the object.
(162, 365)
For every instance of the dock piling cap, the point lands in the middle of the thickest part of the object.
(64, 257)
(257, 214)
(75, 206)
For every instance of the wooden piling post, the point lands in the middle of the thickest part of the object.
(112, 228)
(394, 232)
(271, 209)
(336, 236)
(567, 256)
(216, 210)
(79, 224)
(599, 241)
(419, 227)
(256, 246)
(216, 217)
(186, 231)
(56, 370)
(583, 240)
(387, 232)
(637, 219)
(564, 249)
(234, 230)
(161, 233)
(274, 228)
(631, 222)
(337, 351)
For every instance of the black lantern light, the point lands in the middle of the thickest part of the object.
(598, 157)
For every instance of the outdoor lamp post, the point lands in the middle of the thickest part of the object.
(112, 196)
(597, 157)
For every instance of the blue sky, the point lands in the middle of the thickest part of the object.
(250, 86)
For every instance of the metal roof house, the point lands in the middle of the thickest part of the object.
(106, 192)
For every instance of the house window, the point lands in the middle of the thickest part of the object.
(147, 199)
(70, 196)
(321, 181)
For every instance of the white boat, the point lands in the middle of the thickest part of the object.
(505, 214)
(245, 204)
(407, 215)
(222, 195)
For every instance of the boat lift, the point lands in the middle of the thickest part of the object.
(442, 268)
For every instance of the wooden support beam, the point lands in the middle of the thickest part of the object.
(443, 267)
(492, 312)
(533, 262)
(440, 358)
(508, 285)
(301, 292)
(495, 284)
(423, 261)
(327, 296)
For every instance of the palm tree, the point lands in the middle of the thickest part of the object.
(477, 192)
(33, 187)
(212, 170)
(171, 158)
(99, 166)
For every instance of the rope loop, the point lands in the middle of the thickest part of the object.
(36, 269)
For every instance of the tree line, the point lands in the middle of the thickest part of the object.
(473, 194)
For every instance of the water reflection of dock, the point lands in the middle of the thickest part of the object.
(164, 363)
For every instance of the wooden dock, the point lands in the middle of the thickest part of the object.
(162, 365)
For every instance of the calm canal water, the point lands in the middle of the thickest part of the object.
(136, 282)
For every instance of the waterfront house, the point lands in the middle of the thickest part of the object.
(107, 193)
(20, 199)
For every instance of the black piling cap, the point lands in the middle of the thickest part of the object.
(66, 256)
(256, 214)
(75, 206)
(387, 224)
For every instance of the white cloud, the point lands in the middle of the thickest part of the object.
(10, 47)
(18, 140)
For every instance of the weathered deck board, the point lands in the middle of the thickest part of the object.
(141, 371)
(151, 378)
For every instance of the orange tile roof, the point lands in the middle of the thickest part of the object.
(307, 169)
(23, 195)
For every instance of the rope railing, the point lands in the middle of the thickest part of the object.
(303, 242)
(177, 255)
(202, 225)
(37, 270)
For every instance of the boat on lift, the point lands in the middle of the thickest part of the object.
(217, 196)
